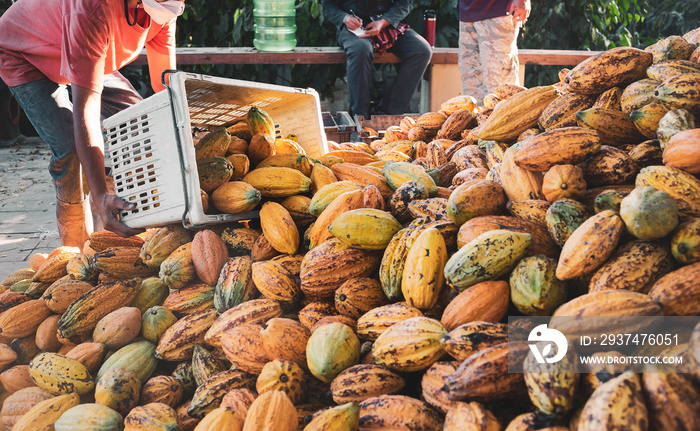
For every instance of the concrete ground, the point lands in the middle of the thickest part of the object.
(27, 204)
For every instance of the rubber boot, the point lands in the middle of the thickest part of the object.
(74, 223)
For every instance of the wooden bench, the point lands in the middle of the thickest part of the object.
(444, 73)
(444, 81)
(335, 55)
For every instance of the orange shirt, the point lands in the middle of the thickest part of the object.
(75, 41)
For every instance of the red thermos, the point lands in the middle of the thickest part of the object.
(429, 26)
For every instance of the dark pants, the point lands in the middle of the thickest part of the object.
(49, 108)
(414, 52)
(9, 116)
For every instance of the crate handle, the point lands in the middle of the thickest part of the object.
(179, 150)
(163, 75)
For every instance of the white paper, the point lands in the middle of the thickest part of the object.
(359, 32)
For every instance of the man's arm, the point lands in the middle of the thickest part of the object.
(398, 11)
(157, 63)
(90, 148)
(333, 12)
(160, 52)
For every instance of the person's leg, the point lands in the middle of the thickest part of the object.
(50, 111)
(415, 53)
(470, 62)
(359, 57)
(498, 39)
(9, 116)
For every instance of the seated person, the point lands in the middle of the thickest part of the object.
(413, 50)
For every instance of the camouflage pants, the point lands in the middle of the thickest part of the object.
(488, 55)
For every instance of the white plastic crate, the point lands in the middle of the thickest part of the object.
(149, 145)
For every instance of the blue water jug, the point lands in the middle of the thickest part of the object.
(275, 25)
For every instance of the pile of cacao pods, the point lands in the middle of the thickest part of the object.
(373, 291)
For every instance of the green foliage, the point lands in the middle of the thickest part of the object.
(670, 17)
(582, 24)
(447, 19)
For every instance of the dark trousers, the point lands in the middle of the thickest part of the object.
(49, 108)
(9, 116)
(414, 52)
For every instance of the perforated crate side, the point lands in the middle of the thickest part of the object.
(141, 146)
(142, 141)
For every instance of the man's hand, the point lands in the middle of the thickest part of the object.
(108, 207)
(352, 22)
(88, 144)
(519, 10)
(375, 27)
